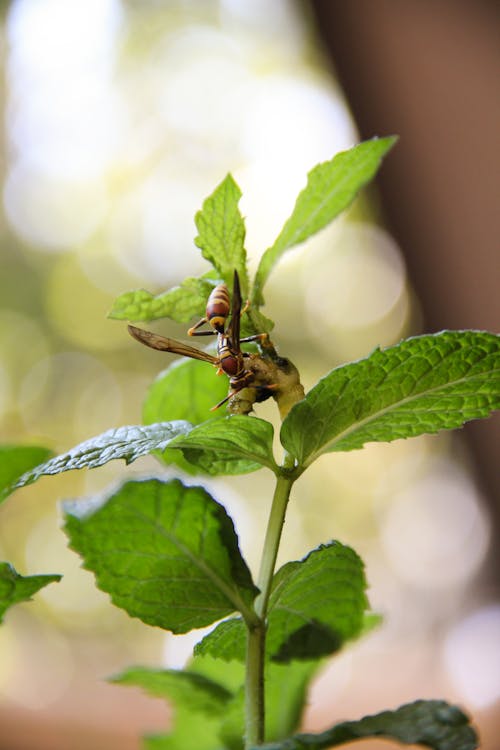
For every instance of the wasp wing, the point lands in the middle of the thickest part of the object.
(154, 341)
(233, 329)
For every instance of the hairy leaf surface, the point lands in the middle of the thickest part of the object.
(222, 232)
(423, 385)
(180, 303)
(331, 187)
(15, 460)
(166, 553)
(15, 588)
(129, 443)
(227, 641)
(316, 605)
(433, 724)
(233, 445)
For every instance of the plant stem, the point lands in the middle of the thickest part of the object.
(254, 680)
(254, 686)
(272, 539)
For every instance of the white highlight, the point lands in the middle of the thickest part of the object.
(471, 656)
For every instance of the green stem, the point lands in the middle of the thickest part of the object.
(254, 681)
(254, 686)
(273, 537)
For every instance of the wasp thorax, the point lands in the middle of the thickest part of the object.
(230, 364)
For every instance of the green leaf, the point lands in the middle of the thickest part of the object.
(286, 693)
(258, 323)
(180, 303)
(316, 605)
(433, 724)
(191, 730)
(285, 700)
(129, 442)
(166, 553)
(423, 385)
(15, 460)
(186, 390)
(15, 588)
(181, 687)
(222, 232)
(233, 445)
(228, 641)
(229, 674)
(331, 187)
(213, 682)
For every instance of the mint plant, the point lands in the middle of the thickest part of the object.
(167, 552)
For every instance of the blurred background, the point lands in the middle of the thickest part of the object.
(119, 118)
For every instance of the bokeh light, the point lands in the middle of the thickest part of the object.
(63, 52)
(42, 209)
(41, 645)
(69, 394)
(355, 291)
(22, 344)
(436, 533)
(75, 596)
(471, 654)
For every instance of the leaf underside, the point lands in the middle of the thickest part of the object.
(434, 724)
(128, 443)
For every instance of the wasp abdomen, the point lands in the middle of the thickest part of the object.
(218, 307)
(216, 313)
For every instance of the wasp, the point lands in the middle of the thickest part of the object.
(230, 359)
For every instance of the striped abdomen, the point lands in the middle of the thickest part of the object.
(218, 308)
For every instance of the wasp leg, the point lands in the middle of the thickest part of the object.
(192, 330)
(258, 337)
(245, 308)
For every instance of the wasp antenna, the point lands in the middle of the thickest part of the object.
(221, 403)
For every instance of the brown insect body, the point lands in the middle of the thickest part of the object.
(216, 314)
(230, 359)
